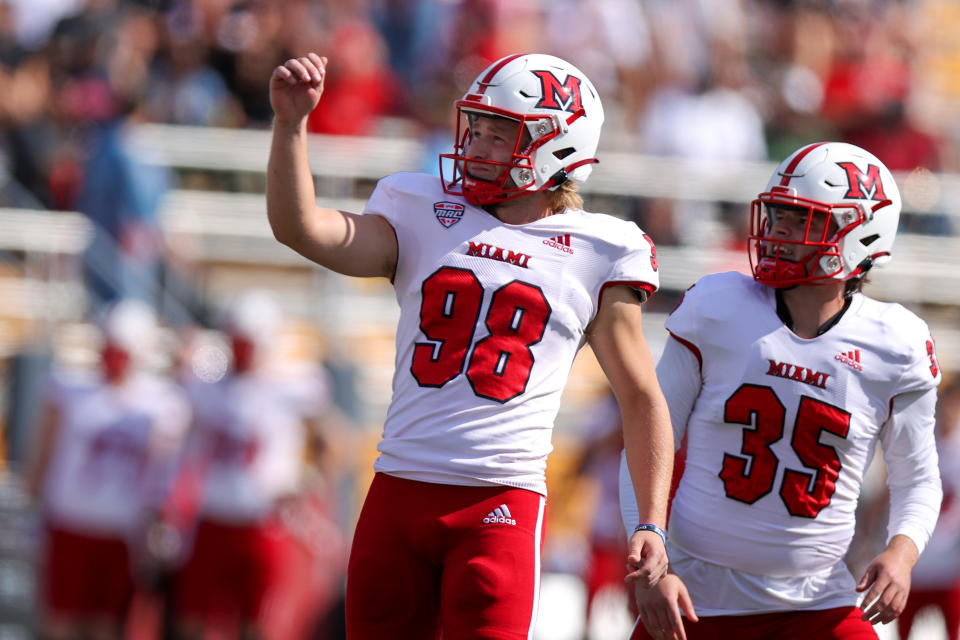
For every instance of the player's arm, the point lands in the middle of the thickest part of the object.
(47, 432)
(909, 450)
(678, 373)
(616, 336)
(355, 245)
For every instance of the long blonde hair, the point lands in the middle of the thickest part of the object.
(565, 196)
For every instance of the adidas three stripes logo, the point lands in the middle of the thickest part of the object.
(500, 515)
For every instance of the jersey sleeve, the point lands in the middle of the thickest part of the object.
(682, 322)
(637, 264)
(629, 512)
(913, 476)
(678, 372)
(922, 370)
(383, 200)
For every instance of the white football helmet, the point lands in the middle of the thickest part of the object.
(129, 324)
(862, 203)
(256, 316)
(560, 112)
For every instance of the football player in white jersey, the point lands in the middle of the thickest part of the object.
(106, 444)
(783, 384)
(501, 277)
(247, 446)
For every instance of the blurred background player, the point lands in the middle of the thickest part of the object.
(106, 443)
(598, 467)
(265, 560)
(784, 384)
(936, 578)
(501, 277)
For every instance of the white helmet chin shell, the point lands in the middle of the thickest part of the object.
(854, 188)
(560, 110)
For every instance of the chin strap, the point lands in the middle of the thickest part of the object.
(563, 175)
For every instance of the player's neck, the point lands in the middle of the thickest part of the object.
(812, 308)
(523, 210)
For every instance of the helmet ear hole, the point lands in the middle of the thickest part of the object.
(867, 241)
(560, 154)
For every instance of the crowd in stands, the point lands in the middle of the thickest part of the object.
(731, 80)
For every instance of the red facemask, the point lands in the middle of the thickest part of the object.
(115, 362)
(244, 353)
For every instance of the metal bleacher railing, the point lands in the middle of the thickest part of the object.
(232, 226)
(222, 221)
(919, 274)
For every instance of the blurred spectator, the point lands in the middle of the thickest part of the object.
(248, 39)
(35, 19)
(361, 87)
(27, 136)
(104, 449)
(121, 195)
(936, 577)
(613, 44)
(184, 87)
(101, 84)
(867, 87)
(267, 555)
(707, 115)
(599, 466)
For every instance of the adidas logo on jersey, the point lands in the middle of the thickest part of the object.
(500, 515)
(561, 242)
(850, 358)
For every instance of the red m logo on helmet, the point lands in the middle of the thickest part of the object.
(564, 97)
(863, 185)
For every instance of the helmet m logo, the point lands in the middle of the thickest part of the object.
(556, 95)
(863, 185)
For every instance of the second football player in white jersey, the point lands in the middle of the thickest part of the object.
(782, 385)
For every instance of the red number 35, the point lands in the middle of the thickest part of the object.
(749, 476)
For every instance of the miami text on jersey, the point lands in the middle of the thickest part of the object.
(798, 373)
(484, 250)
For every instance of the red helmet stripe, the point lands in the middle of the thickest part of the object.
(797, 159)
(485, 82)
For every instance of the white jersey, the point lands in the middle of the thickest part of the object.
(110, 443)
(249, 436)
(491, 317)
(779, 438)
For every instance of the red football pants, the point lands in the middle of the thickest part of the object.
(430, 557)
(86, 576)
(843, 623)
